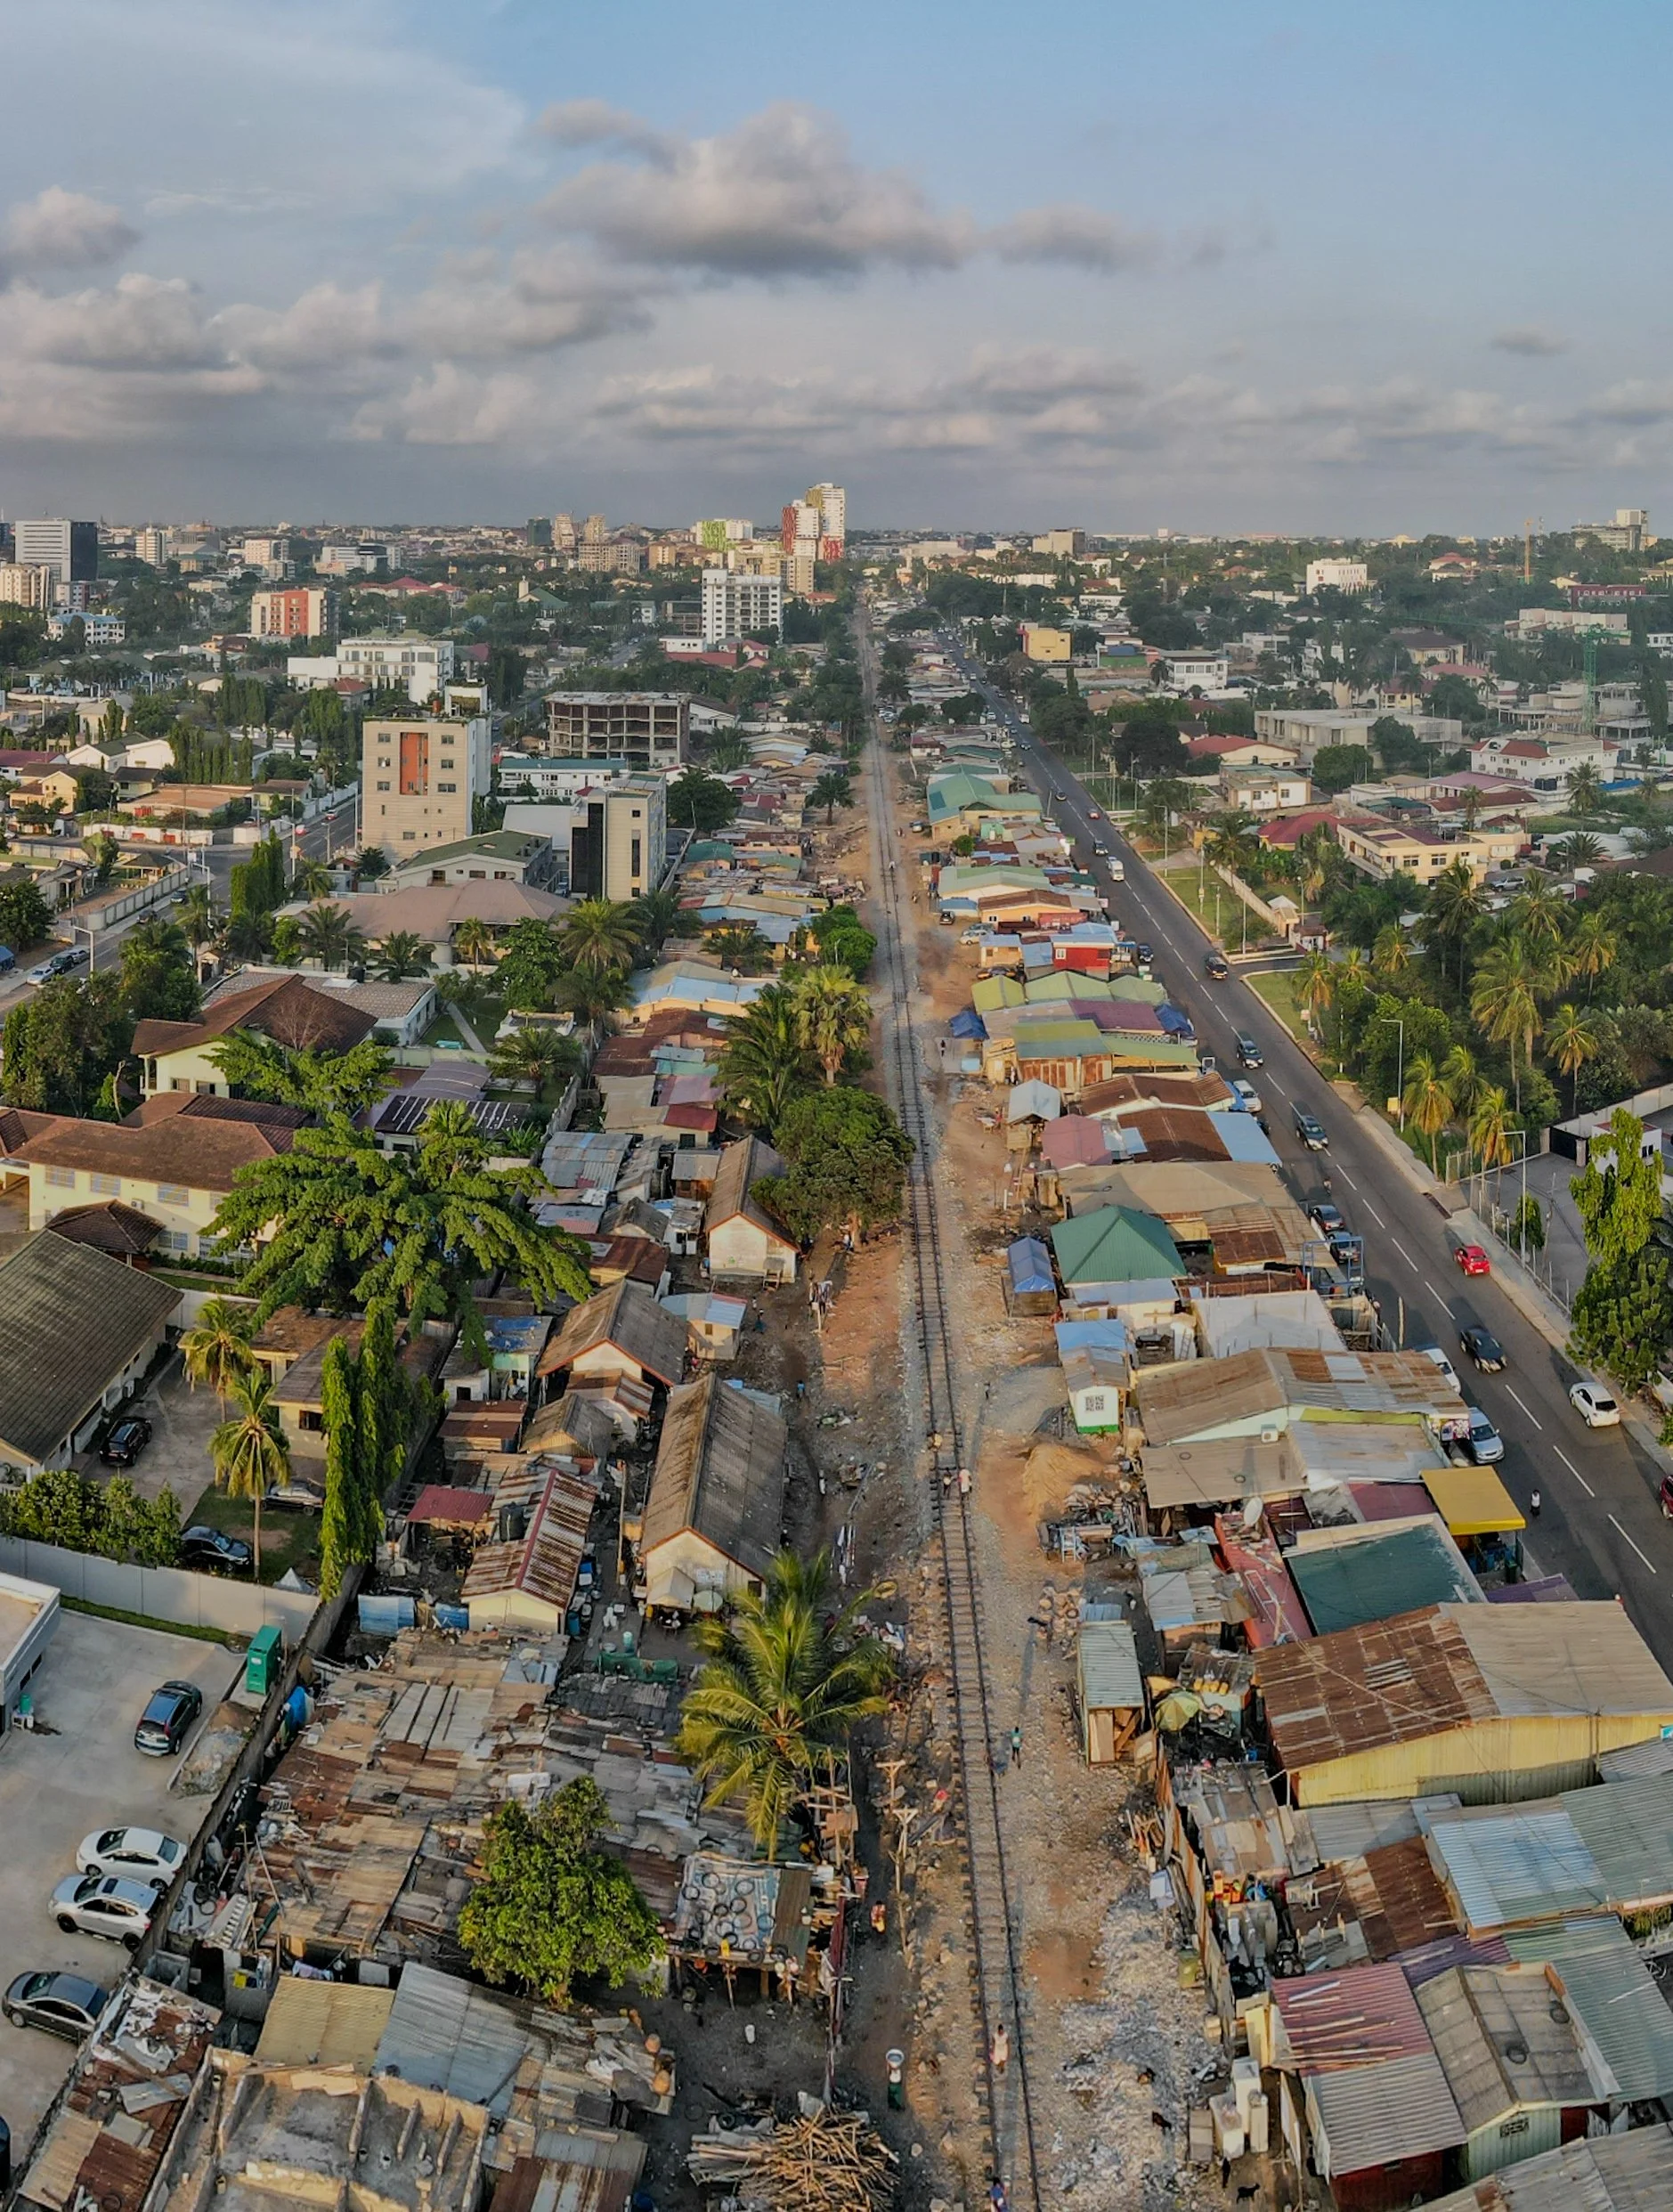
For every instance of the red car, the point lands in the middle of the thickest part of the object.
(1472, 1260)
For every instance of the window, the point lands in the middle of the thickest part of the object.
(106, 1186)
(447, 787)
(479, 876)
(409, 837)
(62, 1178)
(178, 1240)
(310, 1422)
(637, 864)
(172, 1194)
(446, 762)
(383, 783)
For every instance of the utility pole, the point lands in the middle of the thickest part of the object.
(1527, 549)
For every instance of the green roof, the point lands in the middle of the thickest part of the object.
(958, 791)
(1375, 1576)
(1115, 1244)
(492, 845)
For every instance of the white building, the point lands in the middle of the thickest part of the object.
(70, 547)
(96, 630)
(1547, 764)
(274, 557)
(735, 606)
(1307, 730)
(557, 782)
(27, 583)
(1061, 544)
(1338, 576)
(422, 665)
(363, 559)
(150, 545)
(1533, 620)
(1197, 671)
(831, 502)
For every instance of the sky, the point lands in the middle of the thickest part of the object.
(1305, 269)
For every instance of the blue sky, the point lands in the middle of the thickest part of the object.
(1331, 270)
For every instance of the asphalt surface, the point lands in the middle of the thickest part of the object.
(1600, 1522)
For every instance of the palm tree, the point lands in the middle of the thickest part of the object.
(1461, 1077)
(1230, 842)
(1427, 1102)
(217, 1351)
(403, 953)
(1572, 1038)
(1585, 790)
(730, 749)
(600, 933)
(1455, 904)
(249, 1452)
(1578, 849)
(246, 938)
(833, 1015)
(535, 1056)
(831, 790)
(1316, 984)
(310, 879)
(1391, 954)
(473, 942)
(1490, 1127)
(1503, 1002)
(765, 1063)
(655, 913)
(1537, 917)
(1165, 796)
(197, 917)
(592, 995)
(329, 937)
(1594, 945)
(789, 1678)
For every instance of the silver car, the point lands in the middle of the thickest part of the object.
(102, 1904)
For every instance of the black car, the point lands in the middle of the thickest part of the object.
(1484, 1348)
(1310, 1130)
(125, 1441)
(1216, 967)
(1146, 953)
(168, 1713)
(1248, 1052)
(205, 1547)
(64, 2004)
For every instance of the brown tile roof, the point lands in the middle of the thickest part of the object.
(209, 1106)
(108, 1226)
(290, 1012)
(199, 1155)
(627, 1317)
(18, 1126)
(1162, 1090)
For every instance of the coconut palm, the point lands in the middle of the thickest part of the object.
(765, 1063)
(1427, 1102)
(535, 1057)
(1232, 842)
(1585, 790)
(1316, 984)
(473, 942)
(244, 938)
(1391, 955)
(592, 995)
(249, 1450)
(310, 879)
(1579, 850)
(600, 933)
(730, 749)
(197, 918)
(831, 790)
(655, 913)
(1461, 1077)
(217, 1350)
(1454, 906)
(1537, 917)
(1503, 1002)
(1491, 1126)
(403, 953)
(1572, 1038)
(1594, 945)
(833, 1015)
(329, 937)
(789, 1678)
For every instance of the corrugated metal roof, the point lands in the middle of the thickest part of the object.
(1588, 1658)
(1349, 1831)
(1508, 1865)
(1114, 1245)
(1108, 1660)
(1508, 2041)
(1610, 1988)
(1632, 2173)
(1653, 1757)
(1358, 2041)
(324, 2024)
(1628, 1828)
(1372, 1574)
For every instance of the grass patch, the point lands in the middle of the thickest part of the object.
(298, 1528)
(443, 1030)
(1277, 989)
(228, 1638)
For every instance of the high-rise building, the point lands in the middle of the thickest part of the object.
(564, 534)
(734, 606)
(150, 546)
(618, 845)
(720, 531)
(422, 665)
(275, 554)
(299, 611)
(1064, 545)
(22, 584)
(593, 531)
(831, 502)
(420, 779)
(70, 547)
(648, 730)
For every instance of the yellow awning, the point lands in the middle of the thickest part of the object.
(1472, 1500)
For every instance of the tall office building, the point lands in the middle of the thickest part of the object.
(70, 547)
(150, 546)
(830, 501)
(618, 848)
(419, 780)
(734, 606)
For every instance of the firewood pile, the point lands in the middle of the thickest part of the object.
(824, 2162)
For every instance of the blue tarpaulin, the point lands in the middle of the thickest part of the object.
(968, 1023)
(1030, 1266)
(381, 1616)
(1173, 1022)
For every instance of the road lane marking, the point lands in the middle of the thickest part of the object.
(1441, 1295)
(1405, 1255)
(1347, 1178)
(1539, 1424)
(1615, 1524)
(1375, 1217)
(1574, 1470)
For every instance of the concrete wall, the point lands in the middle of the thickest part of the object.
(161, 1593)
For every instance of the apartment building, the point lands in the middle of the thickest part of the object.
(26, 583)
(532, 776)
(419, 780)
(1338, 576)
(1380, 849)
(1061, 544)
(1630, 532)
(612, 556)
(96, 630)
(735, 606)
(422, 665)
(274, 557)
(618, 846)
(364, 558)
(150, 545)
(1198, 671)
(71, 548)
(649, 729)
(717, 531)
(299, 611)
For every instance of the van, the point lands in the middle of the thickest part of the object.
(1118, 869)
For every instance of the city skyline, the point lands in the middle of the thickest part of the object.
(1314, 277)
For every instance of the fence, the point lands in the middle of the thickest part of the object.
(203, 1601)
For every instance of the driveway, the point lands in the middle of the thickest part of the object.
(177, 1458)
(55, 1788)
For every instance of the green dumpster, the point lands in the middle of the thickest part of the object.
(265, 1661)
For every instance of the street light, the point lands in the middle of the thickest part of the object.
(1394, 1021)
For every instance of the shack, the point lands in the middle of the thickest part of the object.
(1109, 1686)
(714, 1518)
(1030, 1285)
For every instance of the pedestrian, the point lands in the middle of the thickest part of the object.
(1533, 1505)
(1016, 1746)
(879, 1918)
(802, 1390)
(964, 1482)
(999, 2049)
(996, 2197)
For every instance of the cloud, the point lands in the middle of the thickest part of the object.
(1532, 344)
(142, 322)
(596, 123)
(453, 406)
(60, 229)
(1081, 236)
(542, 300)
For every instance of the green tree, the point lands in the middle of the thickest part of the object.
(1316, 985)
(1619, 1192)
(1491, 1125)
(699, 802)
(355, 1224)
(340, 1520)
(329, 937)
(24, 916)
(729, 750)
(1504, 1001)
(1623, 1316)
(765, 1063)
(600, 933)
(1454, 906)
(846, 1157)
(1527, 1225)
(403, 953)
(249, 1450)
(654, 915)
(1572, 1036)
(160, 975)
(593, 994)
(830, 792)
(833, 1015)
(310, 880)
(534, 1057)
(473, 941)
(1653, 692)
(532, 964)
(385, 1410)
(1585, 790)
(1594, 945)
(197, 918)
(1427, 1101)
(1335, 767)
(215, 1351)
(789, 1678)
(740, 944)
(319, 1081)
(550, 1909)
(62, 1045)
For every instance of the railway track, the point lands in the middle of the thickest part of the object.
(996, 1974)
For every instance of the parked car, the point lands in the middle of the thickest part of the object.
(1248, 1052)
(102, 1906)
(202, 1546)
(1216, 966)
(1449, 1373)
(1245, 1095)
(132, 1854)
(125, 1441)
(1485, 1445)
(169, 1714)
(64, 2004)
(1472, 1260)
(1327, 1216)
(1310, 1130)
(1593, 1405)
(1483, 1347)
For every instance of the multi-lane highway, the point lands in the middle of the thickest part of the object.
(1601, 1523)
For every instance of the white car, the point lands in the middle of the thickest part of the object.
(142, 1855)
(1594, 1407)
(100, 1905)
(1245, 1095)
(1449, 1373)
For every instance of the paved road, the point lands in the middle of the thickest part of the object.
(1600, 1523)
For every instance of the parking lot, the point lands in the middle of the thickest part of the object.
(177, 1458)
(79, 1771)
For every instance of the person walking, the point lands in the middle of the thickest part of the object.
(964, 1482)
(999, 2049)
(1016, 1746)
(1533, 1505)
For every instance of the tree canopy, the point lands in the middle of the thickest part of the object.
(847, 1157)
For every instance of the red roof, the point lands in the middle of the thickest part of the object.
(441, 1501)
(690, 1118)
(1288, 829)
(1211, 748)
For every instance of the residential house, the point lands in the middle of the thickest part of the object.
(433, 912)
(1381, 850)
(78, 1332)
(1276, 1388)
(1264, 790)
(713, 1520)
(1115, 1244)
(745, 1243)
(299, 1391)
(174, 1055)
(1524, 2069)
(504, 1367)
(503, 856)
(621, 1331)
(1227, 752)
